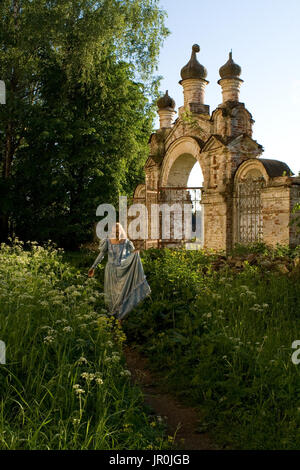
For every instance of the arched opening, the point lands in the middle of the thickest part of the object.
(180, 170)
(183, 187)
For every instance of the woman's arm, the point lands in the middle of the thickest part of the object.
(131, 247)
(103, 250)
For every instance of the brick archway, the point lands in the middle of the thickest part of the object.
(179, 161)
(173, 189)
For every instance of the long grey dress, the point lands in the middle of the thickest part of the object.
(125, 284)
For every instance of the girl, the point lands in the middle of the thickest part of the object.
(125, 284)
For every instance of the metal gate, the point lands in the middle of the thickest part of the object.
(181, 195)
(249, 213)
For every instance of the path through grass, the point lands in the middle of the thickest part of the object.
(65, 384)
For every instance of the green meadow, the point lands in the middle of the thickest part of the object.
(65, 384)
(220, 339)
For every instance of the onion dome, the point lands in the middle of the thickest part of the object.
(230, 69)
(193, 69)
(165, 101)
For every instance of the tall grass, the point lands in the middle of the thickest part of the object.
(223, 341)
(65, 384)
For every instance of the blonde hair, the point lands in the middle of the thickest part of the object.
(122, 233)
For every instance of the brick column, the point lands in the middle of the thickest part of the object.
(275, 202)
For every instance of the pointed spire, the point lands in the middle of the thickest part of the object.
(193, 69)
(165, 101)
(230, 69)
(166, 111)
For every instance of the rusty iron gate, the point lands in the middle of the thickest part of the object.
(249, 210)
(182, 195)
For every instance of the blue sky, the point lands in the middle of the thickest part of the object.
(264, 36)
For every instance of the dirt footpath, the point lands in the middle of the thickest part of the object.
(185, 420)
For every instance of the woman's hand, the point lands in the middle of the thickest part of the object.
(91, 272)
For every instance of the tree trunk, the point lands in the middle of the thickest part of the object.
(9, 141)
(3, 227)
(6, 172)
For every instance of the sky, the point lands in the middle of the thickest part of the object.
(264, 36)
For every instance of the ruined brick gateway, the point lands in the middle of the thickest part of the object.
(244, 198)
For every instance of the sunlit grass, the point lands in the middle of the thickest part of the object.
(223, 341)
(65, 384)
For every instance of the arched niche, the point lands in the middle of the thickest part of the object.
(252, 167)
(239, 121)
(139, 191)
(219, 123)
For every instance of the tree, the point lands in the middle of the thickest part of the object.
(78, 74)
(85, 148)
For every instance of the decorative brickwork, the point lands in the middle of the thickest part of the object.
(245, 198)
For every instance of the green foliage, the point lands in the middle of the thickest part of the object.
(296, 219)
(91, 158)
(261, 248)
(189, 119)
(256, 247)
(80, 85)
(65, 384)
(222, 340)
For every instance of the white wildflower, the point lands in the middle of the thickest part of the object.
(82, 360)
(88, 377)
(67, 329)
(78, 390)
(125, 373)
(49, 339)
